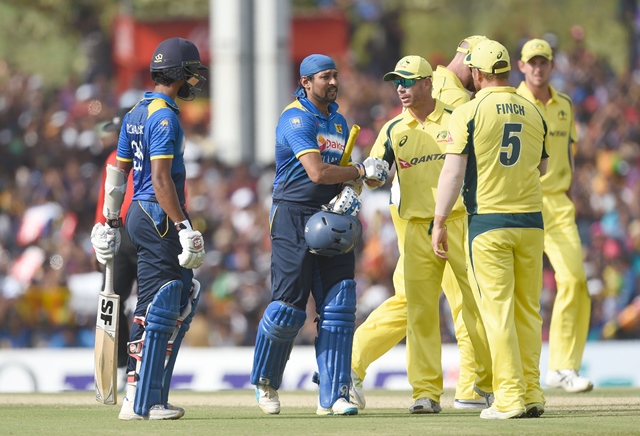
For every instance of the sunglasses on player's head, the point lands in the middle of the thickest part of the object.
(406, 83)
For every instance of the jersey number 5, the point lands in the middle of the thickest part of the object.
(511, 146)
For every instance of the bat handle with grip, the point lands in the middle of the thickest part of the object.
(353, 135)
(108, 277)
(108, 272)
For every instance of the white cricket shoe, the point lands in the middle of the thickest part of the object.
(340, 407)
(127, 413)
(479, 403)
(491, 413)
(356, 391)
(169, 411)
(157, 412)
(425, 405)
(569, 380)
(268, 399)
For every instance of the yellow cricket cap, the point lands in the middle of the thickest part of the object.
(471, 41)
(536, 47)
(410, 67)
(486, 54)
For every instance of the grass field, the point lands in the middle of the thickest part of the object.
(610, 411)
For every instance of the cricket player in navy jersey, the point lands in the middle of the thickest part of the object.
(572, 306)
(310, 140)
(152, 144)
(498, 152)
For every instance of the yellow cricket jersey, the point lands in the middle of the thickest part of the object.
(504, 135)
(558, 113)
(448, 88)
(418, 152)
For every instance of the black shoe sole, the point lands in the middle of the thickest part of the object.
(534, 412)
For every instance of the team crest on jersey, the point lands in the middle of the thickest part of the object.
(562, 115)
(338, 128)
(444, 136)
(296, 123)
(164, 123)
(404, 164)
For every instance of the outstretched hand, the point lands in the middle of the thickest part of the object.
(376, 171)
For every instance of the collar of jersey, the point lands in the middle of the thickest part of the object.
(431, 118)
(153, 95)
(445, 72)
(491, 89)
(306, 103)
(523, 89)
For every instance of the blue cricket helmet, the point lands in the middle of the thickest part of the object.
(330, 234)
(179, 59)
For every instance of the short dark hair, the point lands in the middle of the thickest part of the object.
(160, 79)
(500, 76)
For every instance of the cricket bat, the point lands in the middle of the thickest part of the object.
(346, 155)
(106, 347)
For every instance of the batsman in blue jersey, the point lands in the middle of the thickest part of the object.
(152, 144)
(310, 140)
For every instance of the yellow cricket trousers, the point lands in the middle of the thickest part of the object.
(423, 278)
(387, 325)
(506, 265)
(572, 308)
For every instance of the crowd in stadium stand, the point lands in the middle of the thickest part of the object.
(53, 148)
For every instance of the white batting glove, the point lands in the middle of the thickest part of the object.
(105, 241)
(192, 255)
(346, 202)
(373, 169)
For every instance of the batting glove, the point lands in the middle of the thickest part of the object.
(192, 255)
(375, 169)
(105, 241)
(346, 202)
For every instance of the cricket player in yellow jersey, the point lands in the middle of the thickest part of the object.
(498, 152)
(572, 307)
(386, 325)
(415, 141)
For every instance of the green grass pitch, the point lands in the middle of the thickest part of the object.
(604, 411)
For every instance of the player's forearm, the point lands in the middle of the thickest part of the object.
(124, 166)
(449, 185)
(327, 174)
(165, 192)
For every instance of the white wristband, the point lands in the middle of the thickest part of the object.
(183, 225)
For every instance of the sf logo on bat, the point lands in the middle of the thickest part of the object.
(107, 308)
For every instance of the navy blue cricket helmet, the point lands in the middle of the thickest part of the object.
(179, 59)
(329, 234)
